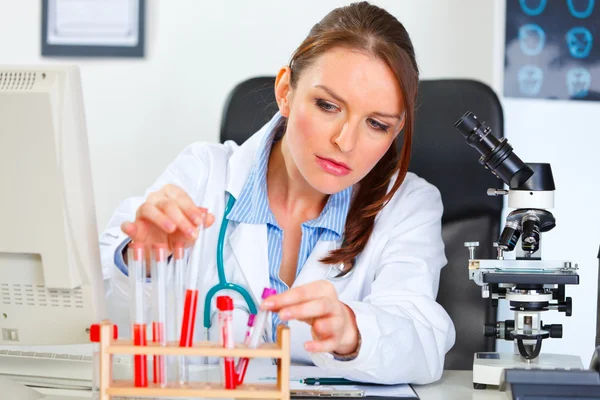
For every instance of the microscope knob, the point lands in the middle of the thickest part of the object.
(556, 330)
(566, 307)
(471, 246)
(497, 192)
(489, 330)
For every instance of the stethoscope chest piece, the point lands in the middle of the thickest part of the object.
(338, 272)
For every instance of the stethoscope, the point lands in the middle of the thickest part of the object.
(338, 270)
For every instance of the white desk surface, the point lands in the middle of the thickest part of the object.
(454, 385)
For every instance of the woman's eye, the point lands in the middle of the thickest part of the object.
(326, 106)
(379, 126)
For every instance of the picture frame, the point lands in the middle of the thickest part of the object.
(93, 28)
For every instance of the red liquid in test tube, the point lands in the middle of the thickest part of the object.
(137, 277)
(139, 360)
(189, 318)
(225, 307)
(191, 293)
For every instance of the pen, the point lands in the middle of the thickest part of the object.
(331, 382)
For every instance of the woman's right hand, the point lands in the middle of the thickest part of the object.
(167, 216)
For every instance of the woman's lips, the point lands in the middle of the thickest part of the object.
(333, 167)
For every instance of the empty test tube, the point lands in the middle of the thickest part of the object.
(159, 310)
(178, 288)
(240, 369)
(259, 326)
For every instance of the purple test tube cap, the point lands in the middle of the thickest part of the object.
(268, 292)
(251, 319)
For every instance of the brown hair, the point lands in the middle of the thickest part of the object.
(373, 30)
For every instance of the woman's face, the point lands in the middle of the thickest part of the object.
(343, 115)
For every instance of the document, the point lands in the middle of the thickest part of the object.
(263, 373)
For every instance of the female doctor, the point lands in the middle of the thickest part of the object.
(325, 211)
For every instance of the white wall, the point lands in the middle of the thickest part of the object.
(565, 134)
(141, 113)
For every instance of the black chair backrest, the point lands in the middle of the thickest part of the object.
(441, 156)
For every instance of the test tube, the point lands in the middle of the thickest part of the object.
(191, 292)
(225, 307)
(240, 369)
(137, 278)
(259, 326)
(159, 310)
(179, 288)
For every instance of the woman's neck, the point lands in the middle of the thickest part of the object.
(287, 188)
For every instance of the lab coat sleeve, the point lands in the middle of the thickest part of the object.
(189, 171)
(405, 332)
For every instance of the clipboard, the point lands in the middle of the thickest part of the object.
(349, 392)
(328, 394)
(260, 372)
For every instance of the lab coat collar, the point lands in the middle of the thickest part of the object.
(249, 241)
(242, 160)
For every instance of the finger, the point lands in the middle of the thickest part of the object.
(173, 211)
(194, 213)
(137, 231)
(129, 229)
(323, 328)
(155, 216)
(322, 346)
(319, 307)
(298, 295)
(172, 191)
(210, 219)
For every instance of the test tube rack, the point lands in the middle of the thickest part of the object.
(109, 387)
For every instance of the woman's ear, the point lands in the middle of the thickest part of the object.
(283, 90)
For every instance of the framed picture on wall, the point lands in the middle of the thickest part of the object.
(93, 28)
(550, 49)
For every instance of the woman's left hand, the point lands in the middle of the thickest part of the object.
(333, 323)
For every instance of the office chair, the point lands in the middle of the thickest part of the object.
(441, 156)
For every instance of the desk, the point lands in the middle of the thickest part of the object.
(454, 385)
(457, 385)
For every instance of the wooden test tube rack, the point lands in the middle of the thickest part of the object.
(109, 387)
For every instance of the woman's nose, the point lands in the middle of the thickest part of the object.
(346, 139)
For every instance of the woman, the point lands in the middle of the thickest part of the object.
(320, 186)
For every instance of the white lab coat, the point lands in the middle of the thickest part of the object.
(405, 333)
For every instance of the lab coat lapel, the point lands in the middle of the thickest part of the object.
(249, 246)
(248, 242)
(313, 269)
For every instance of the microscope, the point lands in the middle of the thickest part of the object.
(529, 283)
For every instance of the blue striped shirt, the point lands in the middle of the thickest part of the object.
(252, 207)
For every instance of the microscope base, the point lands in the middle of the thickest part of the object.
(487, 367)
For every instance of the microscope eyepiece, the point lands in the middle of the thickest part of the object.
(496, 154)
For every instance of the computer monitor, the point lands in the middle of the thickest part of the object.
(51, 286)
